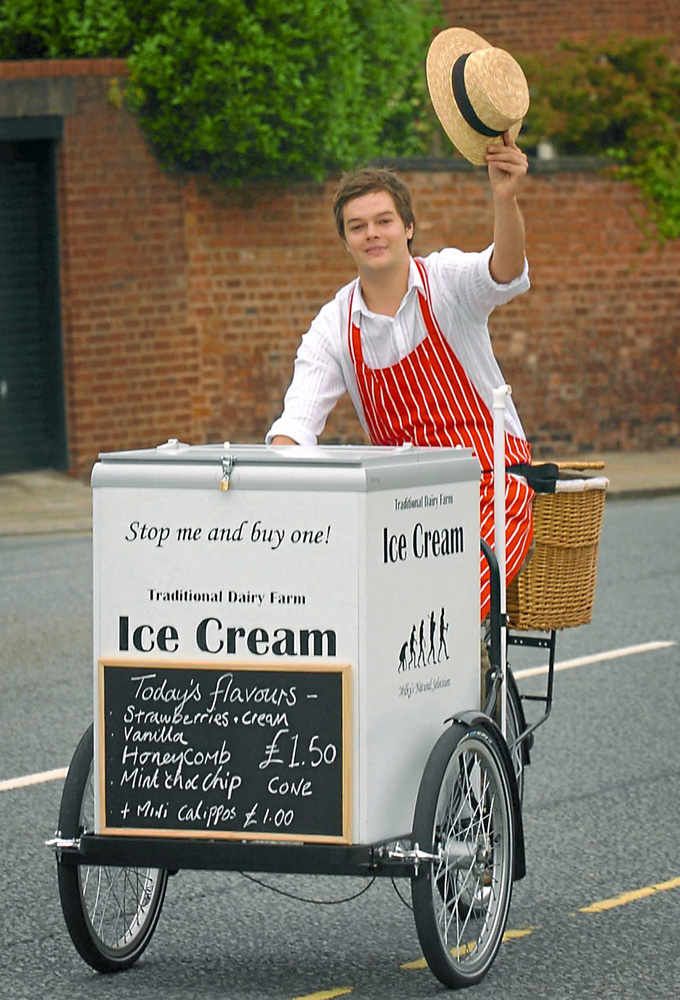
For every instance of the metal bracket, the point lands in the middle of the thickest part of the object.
(60, 844)
(227, 467)
(68, 842)
(414, 857)
(538, 642)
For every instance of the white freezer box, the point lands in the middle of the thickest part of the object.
(234, 558)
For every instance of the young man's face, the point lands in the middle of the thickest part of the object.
(375, 235)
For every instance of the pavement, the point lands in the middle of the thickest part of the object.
(52, 502)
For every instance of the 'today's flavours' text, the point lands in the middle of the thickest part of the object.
(221, 750)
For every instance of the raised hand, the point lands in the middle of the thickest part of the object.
(507, 166)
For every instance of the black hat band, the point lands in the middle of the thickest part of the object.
(463, 101)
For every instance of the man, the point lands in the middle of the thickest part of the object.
(408, 338)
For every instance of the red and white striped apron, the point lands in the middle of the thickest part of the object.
(427, 399)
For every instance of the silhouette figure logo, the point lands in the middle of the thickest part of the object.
(426, 643)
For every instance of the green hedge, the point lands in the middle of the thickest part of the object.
(619, 99)
(65, 29)
(244, 90)
(257, 89)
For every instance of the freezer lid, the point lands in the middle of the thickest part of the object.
(359, 468)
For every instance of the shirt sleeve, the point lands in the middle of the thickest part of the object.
(316, 386)
(465, 279)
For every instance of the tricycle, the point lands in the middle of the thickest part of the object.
(287, 679)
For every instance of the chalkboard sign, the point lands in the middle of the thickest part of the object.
(240, 752)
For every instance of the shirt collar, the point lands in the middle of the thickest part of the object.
(359, 307)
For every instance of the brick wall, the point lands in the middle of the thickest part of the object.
(538, 25)
(132, 363)
(592, 352)
(182, 304)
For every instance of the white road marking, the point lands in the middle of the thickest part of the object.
(583, 661)
(33, 779)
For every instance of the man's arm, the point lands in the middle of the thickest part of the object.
(316, 386)
(507, 167)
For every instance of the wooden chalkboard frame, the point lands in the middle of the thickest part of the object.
(344, 671)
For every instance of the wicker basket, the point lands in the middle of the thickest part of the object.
(556, 587)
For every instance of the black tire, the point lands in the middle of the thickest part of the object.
(110, 912)
(464, 813)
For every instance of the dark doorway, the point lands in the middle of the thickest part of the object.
(32, 419)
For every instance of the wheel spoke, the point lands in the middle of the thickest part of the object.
(122, 897)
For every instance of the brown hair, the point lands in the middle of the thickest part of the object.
(367, 180)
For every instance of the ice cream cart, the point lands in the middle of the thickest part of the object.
(286, 679)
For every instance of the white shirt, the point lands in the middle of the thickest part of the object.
(463, 295)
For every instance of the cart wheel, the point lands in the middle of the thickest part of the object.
(464, 814)
(110, 912)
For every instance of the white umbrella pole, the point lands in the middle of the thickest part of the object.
(500, 396)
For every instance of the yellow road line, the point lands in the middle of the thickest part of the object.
(418, 963)
(339, 991)
(510, 935)
(515, 935)
(630, 897)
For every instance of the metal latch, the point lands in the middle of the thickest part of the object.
(227, 467)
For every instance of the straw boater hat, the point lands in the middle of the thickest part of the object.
(477, 91)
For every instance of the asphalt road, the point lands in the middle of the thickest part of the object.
(602, 815)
